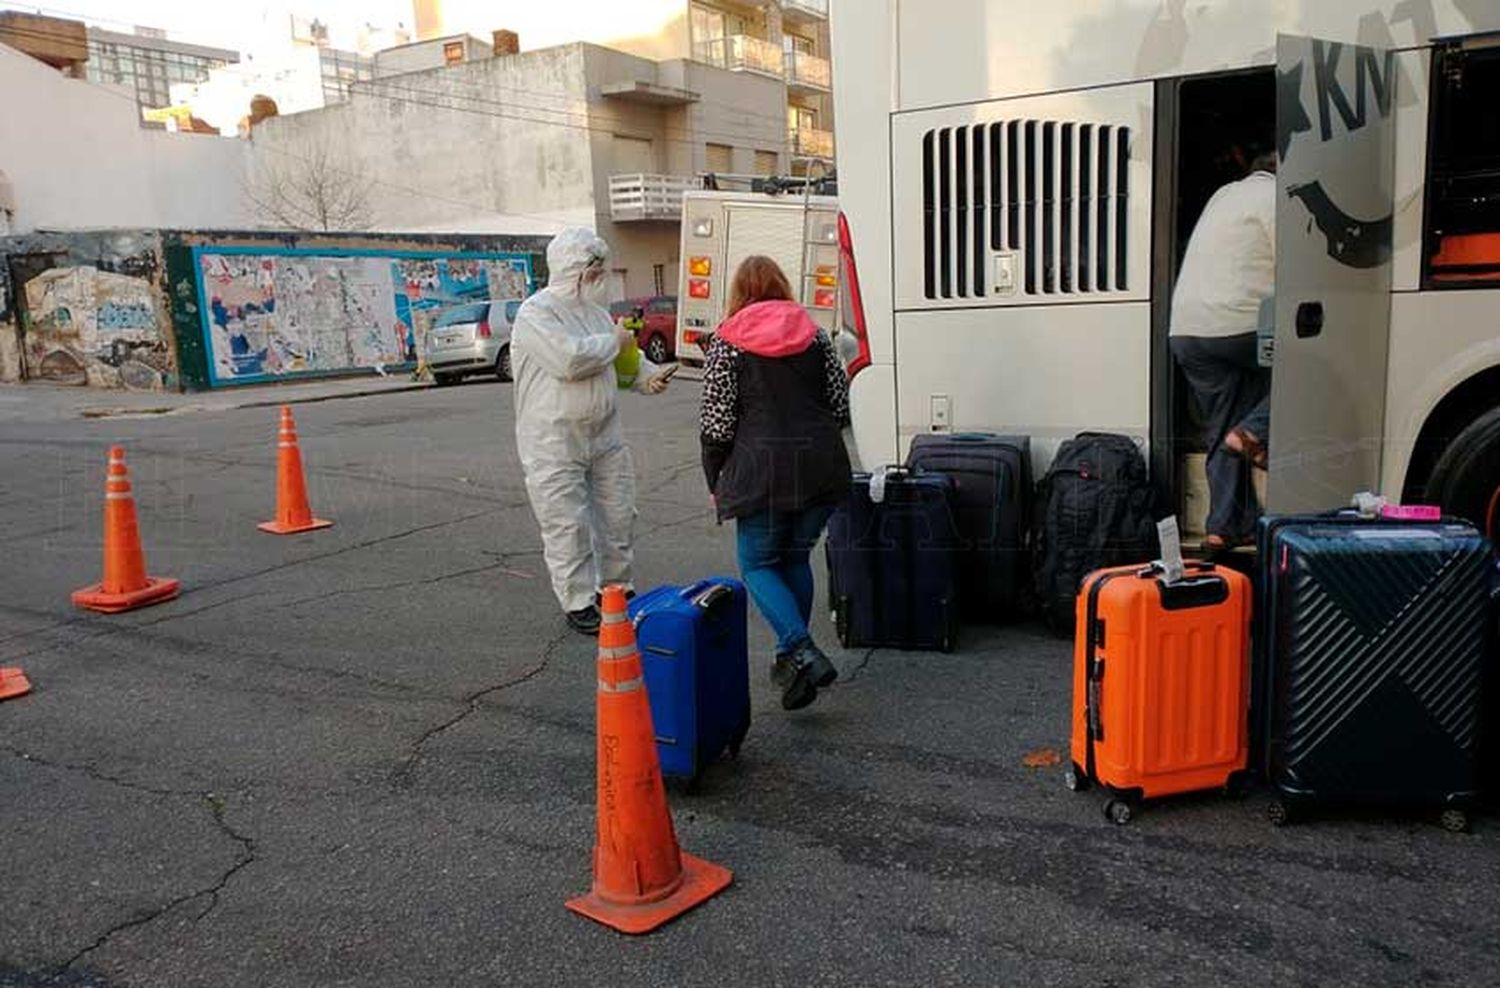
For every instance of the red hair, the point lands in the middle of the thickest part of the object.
(759, 279)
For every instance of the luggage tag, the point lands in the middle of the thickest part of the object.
(877, 484)
(1172, 567)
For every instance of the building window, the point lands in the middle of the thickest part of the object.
(720, 159)
(659, 278)
(765, 162)
(453, 52)
(711, 30)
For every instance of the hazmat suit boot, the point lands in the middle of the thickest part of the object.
(585, 621)
(579, 474)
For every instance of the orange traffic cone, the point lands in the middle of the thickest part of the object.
(13, 683)
(641, 878)
(125, 585)
(292, 512)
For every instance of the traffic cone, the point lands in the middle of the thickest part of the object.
(292, 512)
(125, 585)
(642, 878)
(13, 683)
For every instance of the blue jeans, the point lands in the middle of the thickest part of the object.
(774, 548)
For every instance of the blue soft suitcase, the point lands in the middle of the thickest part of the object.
(695, 654)
(892, 557)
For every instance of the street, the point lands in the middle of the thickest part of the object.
(365, 756)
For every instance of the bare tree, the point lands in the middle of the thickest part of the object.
(308, 186)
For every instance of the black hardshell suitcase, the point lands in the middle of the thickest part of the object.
(1374, 662)
(891, 574)
(992, 512)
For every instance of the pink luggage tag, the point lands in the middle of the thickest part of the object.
(1412, 512)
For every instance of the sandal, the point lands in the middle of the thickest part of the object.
(1245, 444)
(1218, 545)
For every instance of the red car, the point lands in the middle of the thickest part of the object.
(658, 337)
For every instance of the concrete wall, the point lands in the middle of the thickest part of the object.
(458, 149)
(78, 158)
(423, 55)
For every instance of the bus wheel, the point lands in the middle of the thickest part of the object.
(1466, 479)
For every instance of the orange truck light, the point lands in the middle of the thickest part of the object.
(826, 277)
(698, 288)
(700, 267)
(691, 337)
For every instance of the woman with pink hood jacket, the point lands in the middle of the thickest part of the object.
(775, 401)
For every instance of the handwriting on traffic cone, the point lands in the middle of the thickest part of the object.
(13, 683)
(125, 585)
(642, 878)
(292, 512)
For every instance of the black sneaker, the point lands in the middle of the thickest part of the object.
(794, 676)
(585, 620)
(823, 671)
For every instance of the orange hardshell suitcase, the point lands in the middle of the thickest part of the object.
(1161, 684)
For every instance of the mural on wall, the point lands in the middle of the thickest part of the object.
(273, 313)
(97, 328)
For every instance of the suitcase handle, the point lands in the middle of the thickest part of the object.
(1196, 565)
(706, 593)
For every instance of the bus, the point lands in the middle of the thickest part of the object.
(799, 231)
(1027, 178)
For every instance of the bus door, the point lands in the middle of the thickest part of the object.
(1335, 131)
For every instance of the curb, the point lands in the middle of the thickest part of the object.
(361, 393)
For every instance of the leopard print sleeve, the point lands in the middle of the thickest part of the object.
(836, 380)
(718, 416)
(719, 412)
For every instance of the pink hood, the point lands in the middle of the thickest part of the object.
(770, 329)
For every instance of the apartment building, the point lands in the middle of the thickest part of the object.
(786, 41)
(149, 64)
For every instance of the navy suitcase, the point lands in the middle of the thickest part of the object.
(992, 510)
(1374, 661)
(694, 653)
(891, 563)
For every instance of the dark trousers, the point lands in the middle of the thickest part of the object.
(1231, 390)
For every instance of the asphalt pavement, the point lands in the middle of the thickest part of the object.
(365, 756)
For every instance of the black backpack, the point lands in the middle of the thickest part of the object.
(1095, 507)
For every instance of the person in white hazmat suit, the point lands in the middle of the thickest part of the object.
(579, 474)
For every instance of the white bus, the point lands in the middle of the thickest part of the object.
(720, 229)
(1018, 182)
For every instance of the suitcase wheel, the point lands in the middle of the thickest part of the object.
(1118, 812)
(1237, 786)
(1455, 821)
(1279, 813)
(1075, 779)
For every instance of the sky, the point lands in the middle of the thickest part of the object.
(239, 26)
(250, 25)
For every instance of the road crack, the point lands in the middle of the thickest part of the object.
(213, 802)
(473, 702)
(850, 677)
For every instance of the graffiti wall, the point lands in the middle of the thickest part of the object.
(99, 328)
(271, 314)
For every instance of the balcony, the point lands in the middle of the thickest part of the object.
(809, 142)
(741, 53)
(808, 73)
(633, 198)
(804, 11)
